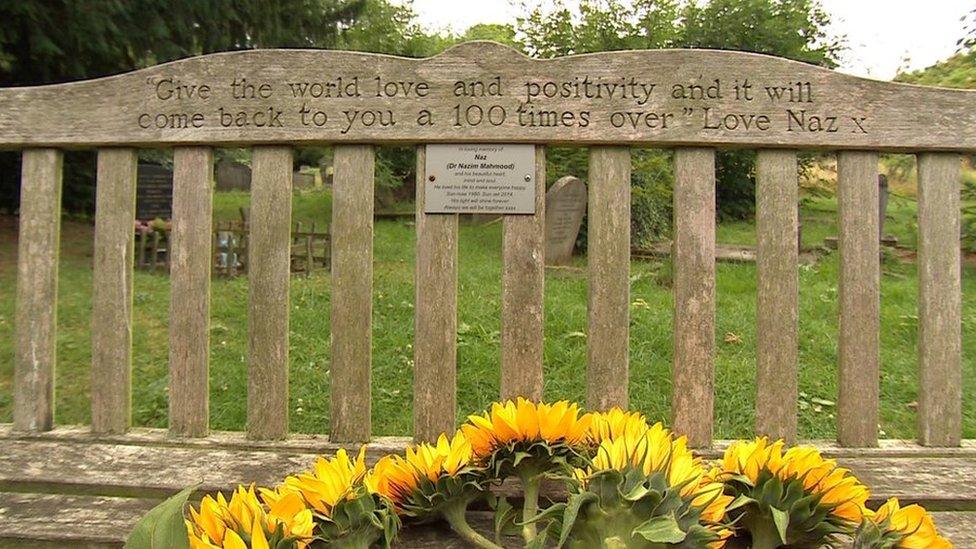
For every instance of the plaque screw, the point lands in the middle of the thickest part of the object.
(528, 178)
(431, 178)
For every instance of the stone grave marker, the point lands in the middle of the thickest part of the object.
(154, 192)
(565, 207)
(233, 176)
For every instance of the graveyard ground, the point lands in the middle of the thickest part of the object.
(478, 345)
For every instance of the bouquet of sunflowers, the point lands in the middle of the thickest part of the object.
(626, 484)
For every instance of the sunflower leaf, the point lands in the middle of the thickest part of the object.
(662, 529)
(573, 506)
(782, 521)
(738, 502)
(163, 525)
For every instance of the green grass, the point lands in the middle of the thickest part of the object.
(818, 220)
(478, 338)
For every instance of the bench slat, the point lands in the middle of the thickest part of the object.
(939, 301)
(776, 294)
(269, 256)
(694, 295)
(523, 283)
(189, 313)
(37, 289)
(100, 521)
(860, 273)
(352, 292)
(107, 521)
(608, 294)
(115, 210)
(435, 318)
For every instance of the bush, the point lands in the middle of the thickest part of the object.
(969, 213)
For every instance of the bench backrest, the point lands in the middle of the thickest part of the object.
(693, 101)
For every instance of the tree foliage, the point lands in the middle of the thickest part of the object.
(795, 29)
(48, 41)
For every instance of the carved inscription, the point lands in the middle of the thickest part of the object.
(481, 92)
(628, 102)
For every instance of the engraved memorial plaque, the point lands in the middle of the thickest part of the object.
(481, 179)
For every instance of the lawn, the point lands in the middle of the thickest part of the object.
(478, 339)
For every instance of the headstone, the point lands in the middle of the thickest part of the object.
(882, 203)
(154, 192)
(233, 176)
(302, 180)
(565, 207)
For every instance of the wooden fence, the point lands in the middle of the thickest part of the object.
(310, 250)
(691, 101)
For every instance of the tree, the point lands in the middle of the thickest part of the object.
(795, 29)
(48, 41)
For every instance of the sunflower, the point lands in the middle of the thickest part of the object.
(896, 527)
(347, 512)
(399, 478)
(244, 522)
(615, 423)
(794, 497)
(524, 421)
(433, 481)
(329, 482)
(646, 488)
(528, 440)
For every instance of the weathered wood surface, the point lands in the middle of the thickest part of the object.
(776, 294)
(269, 251)
(608, 290)
(523, 283)
(189, 310)
(121, 470)
(939, 301)
(95, 474)
(101, 521)
(115, 211)
(310, 443)
(637, 97)
(859, 299)
(352, 293)
(435, 318)
(35, 353)
(693, 369)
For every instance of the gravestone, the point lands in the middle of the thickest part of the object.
(565, 207)
(233, 176)
(154, 192)
(302, 180)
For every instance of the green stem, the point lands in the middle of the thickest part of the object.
(454, 513)
(530, 507)
(764, 534)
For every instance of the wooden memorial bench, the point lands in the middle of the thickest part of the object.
(87, 484)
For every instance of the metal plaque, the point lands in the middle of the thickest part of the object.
(481, 179)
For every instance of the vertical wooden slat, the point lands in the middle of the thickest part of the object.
(860, 273)
(37, 289)
(939, 301)
(435, 318)
(115, 207)
(352, 292)
(189, 313)
(692, 395)
(523, 281)
(268, 278)
(608, 296)
(776, 299)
